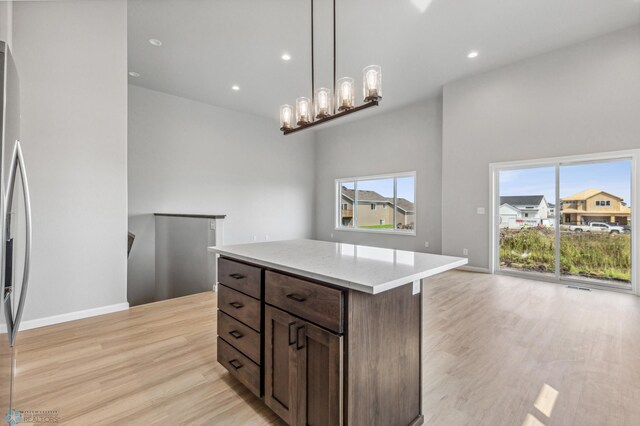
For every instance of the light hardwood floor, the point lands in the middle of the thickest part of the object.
(491, 345)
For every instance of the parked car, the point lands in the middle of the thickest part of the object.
(627, 228)
(597, 227)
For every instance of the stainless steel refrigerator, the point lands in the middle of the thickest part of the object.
(15, 215)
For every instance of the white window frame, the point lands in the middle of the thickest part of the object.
(338, 201)
(494, 217)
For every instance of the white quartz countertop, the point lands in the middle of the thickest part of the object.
(371, 270)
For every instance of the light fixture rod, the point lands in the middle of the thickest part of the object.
(334, 50)
(313, 77)
(331, 117)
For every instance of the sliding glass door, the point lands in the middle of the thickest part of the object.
(526, 220)
(566, 220)
(595, 222)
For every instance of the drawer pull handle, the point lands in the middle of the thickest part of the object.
(237, 305)
(236, 276)
(236, 334)
(301, 336)
(296, 297)
(235, 364)
(292, 333)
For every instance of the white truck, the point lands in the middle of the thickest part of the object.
(597, 227)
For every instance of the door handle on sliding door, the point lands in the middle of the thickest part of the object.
(17, 163)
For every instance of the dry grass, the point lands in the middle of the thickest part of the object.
(600, 256)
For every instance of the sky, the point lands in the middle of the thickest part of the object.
(384, 187)
(611, 177)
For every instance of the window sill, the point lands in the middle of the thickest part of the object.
(379, 231)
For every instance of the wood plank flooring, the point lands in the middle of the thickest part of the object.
(497, 350)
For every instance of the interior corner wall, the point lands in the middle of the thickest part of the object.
(190, 157)
(407, 139)
(6, 22)
(577, 100)
(71, 59)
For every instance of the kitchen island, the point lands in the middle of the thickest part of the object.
(326, 333)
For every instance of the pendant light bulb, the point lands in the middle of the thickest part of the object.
(346, 96)
(323, 102)
(372, 83)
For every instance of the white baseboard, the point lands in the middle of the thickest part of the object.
(474, 269)
(71, 316)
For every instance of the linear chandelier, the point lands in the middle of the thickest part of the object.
(322, 107)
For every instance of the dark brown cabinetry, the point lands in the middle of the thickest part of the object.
(240, 322)
(325, 355)
(303, 370)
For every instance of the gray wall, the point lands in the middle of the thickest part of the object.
(408, 139)
(72, 61)
(189, 157)
(6, 21)
(578, 100)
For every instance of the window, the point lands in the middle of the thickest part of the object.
(377, 203)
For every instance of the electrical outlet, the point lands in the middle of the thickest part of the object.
(465, 252)
(480, 210)
(332, 236)
(266, 238)
(426, 244)
(255, 238)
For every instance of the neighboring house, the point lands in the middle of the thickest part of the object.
(594, 205)
(508, 214)
(525, 206)
(375, 210)
(552, 210)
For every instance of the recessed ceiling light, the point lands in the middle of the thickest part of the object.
(155, 42)
(134, 74)
(286, 57)
(235, 87)
(472, 54)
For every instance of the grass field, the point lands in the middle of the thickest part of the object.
(390, 226)
(599, 256)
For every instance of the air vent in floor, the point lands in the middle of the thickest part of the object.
(578, 288)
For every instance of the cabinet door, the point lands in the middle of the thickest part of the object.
(280, 375)
(303, 371)
(319, 371)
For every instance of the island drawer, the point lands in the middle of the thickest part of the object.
(240, 367)
(239, 336)
(240, 306)
(314, 302)
(241, 277)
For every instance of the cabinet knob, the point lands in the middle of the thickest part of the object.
(235, 364)
(236, 334)
(236, 276)
(296, 297)
(301, 336)
(292, 333)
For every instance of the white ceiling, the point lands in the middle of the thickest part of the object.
(210, 45)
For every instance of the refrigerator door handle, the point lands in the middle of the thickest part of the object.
(18, 163)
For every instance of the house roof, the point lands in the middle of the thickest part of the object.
(365, 196)
(522, 200)
(374, 197)
(588, 193)
(515, 209)
(405, 204)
